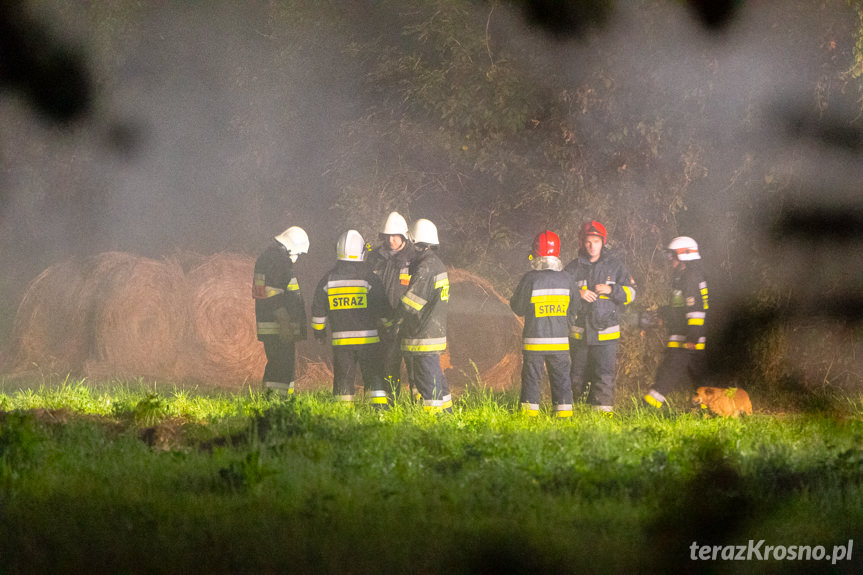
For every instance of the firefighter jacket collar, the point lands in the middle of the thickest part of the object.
(546, 263)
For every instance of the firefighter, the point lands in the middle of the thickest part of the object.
(351, 299)
(684, 360)
(543, 298)
(422, 311)
(604, 288)
(391, 263)
(279, 310)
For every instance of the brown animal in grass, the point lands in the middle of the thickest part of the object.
(727, 402)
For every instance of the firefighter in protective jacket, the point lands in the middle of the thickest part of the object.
(350, 299)
(604, 287)
(423, 312)
(279, 310)
(543, 297)
(684, 361)
(391, 263)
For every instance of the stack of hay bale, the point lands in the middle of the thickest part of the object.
(121, 315)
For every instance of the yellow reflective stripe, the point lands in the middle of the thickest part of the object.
(355, 337)
(271, 291)
(653, 401)
(437, 405)
(576, 332)
(345, 398)
(609, 333)
(630, 294)
(417, 345)
(347, 290)
(539, 294)
(559, 299)
(413, 301)
(546, 344)
(680, 344)
(531, 409)
(441, 280)
(563, 413)
(355, 340)
(695, 321)
(268, 328)
(293, 285)
(546, 347)
(260, 279)
(319, 323)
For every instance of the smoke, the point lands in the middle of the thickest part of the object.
(213, 127)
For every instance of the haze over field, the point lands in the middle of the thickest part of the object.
(211, 127)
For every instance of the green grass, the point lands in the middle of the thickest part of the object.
(136, 478)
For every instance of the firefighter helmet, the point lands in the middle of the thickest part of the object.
(685, 248)
(295, 240)
(593, 228)
(546, 244)
(424, 232)
(351, 247)
(395, 225)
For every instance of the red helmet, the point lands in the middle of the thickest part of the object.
(593, 228)
(546, 244)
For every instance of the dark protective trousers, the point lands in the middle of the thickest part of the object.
(426, 375)
(680, 370)
(558, 376)
(593, 371)
(392, 358)
(345, 363)
(280, 359)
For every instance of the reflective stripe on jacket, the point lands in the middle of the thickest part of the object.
(350, 300)
(544, 298)
(274, 286)
(424, 305)
(686, 315)
(598, 322)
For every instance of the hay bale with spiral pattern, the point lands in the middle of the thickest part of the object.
(138, 317)
(50, 333)
(224, 348)
(483, 335)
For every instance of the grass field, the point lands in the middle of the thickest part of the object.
(130, 478)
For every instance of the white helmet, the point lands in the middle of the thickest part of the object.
(684, 248)
(295, 240)
(424, 232)
(351, 247)
(395, 225)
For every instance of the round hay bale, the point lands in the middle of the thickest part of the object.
(483, 335)
(224, 342)
(50, 331)
(138, 317)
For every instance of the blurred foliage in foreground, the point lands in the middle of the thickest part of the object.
(130, 479)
